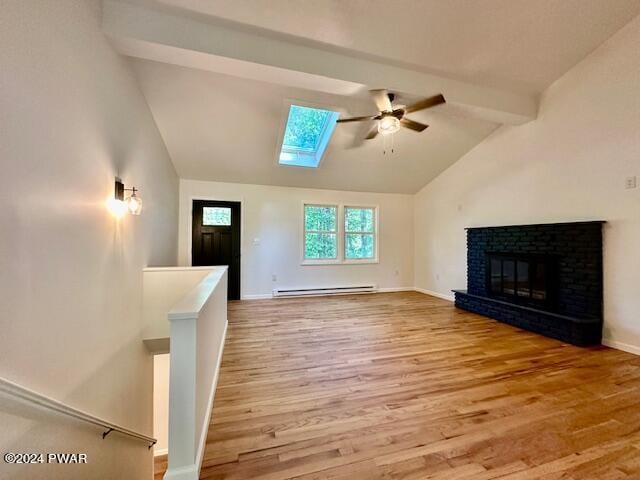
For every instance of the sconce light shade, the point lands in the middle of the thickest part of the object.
(134, 203)
(118, 206)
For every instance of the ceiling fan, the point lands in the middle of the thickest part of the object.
(390, 119)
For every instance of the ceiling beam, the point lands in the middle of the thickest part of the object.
(143, 32)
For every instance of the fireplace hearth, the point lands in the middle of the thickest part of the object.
(544, 278)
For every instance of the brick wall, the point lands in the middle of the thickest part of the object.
(576, 314)
(577, 248)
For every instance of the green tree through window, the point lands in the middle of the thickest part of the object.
(305, 127)
(359, 232)
(320, 232)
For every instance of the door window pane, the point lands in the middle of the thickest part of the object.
(212, 216)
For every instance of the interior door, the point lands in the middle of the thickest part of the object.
(216, 239)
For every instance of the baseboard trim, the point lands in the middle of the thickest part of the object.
(265, 296)
(262, 296)
(448, 298)
(625, 347)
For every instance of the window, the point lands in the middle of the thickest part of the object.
(306, 136)
(339, 234)
(216, 216)
(359, 233)
(320, 232)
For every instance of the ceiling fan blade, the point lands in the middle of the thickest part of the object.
(361, 129)
(417, 126)
(426, 103)
(354, 119)
(373, 133)
(381, 99)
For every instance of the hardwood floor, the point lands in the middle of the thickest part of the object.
(159, 466)
(404, 386)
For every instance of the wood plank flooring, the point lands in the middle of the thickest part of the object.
(405, 386)
(159, 466)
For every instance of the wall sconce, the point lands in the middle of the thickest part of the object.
(118, 205)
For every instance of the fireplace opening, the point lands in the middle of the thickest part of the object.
(525, 279)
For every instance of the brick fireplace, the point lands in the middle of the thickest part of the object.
(545, 278)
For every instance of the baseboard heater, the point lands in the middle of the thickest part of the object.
(315, 291)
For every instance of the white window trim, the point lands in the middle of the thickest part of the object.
(357, 261)
(340, 236)
(321, 261)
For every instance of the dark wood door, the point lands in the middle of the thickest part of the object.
(216, 239)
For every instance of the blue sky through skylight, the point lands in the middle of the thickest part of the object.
(306, 135)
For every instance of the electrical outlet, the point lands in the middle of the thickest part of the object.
(274, 278)
(630, 182)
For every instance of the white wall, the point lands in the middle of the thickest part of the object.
(162, 288)
(569, 164)
(72, 117)
(161, 365)
(274, 216)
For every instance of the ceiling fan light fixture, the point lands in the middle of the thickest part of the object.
(388, 125)
(391, 117)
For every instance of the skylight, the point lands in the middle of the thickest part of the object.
(306, 136)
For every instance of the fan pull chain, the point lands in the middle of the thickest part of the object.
(385, 143)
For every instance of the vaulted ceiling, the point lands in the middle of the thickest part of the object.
(520, 45)
(218, 75)
(225, 128)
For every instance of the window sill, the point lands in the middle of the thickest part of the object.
(340, 262)
(320, 262)
(361, 262)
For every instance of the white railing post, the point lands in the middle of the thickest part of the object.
(198, 324)
(182, 396)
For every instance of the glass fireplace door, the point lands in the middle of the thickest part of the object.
(517, 277)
